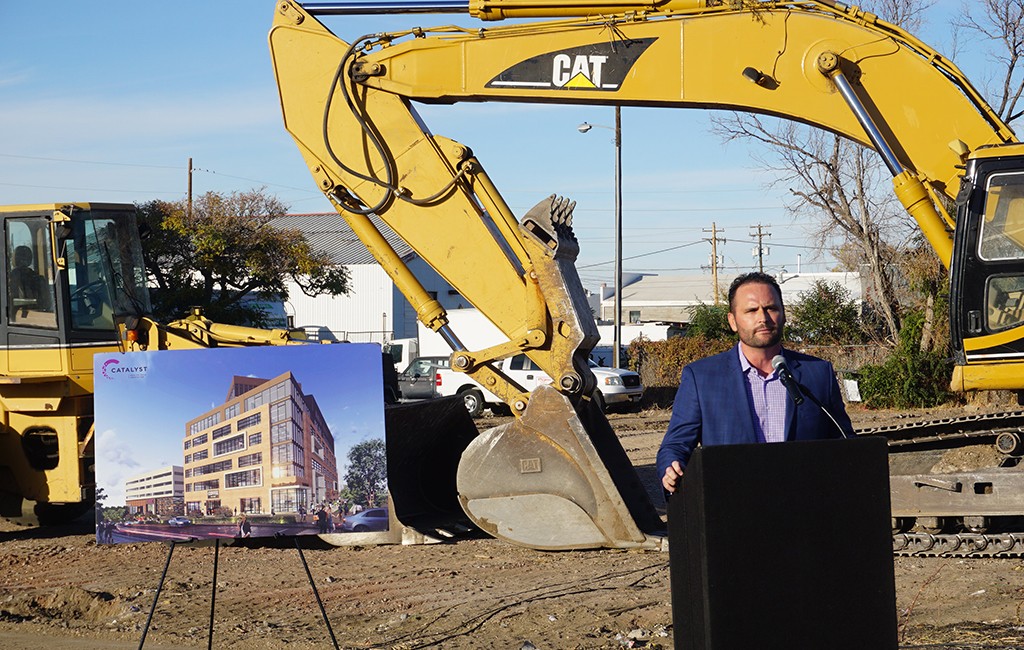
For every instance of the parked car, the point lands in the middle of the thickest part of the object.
(179, 521)
(616, 386)
(370, 520)
(419, 379)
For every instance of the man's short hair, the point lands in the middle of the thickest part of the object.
(754, 276)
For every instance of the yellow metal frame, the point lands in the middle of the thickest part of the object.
(368, 150)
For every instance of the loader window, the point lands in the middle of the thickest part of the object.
(30, 294)
(106, 276)
(1002, 229)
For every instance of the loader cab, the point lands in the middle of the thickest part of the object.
(71, 273)
(987, 274)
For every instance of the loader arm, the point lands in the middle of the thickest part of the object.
(349, 108)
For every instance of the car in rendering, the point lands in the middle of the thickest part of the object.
(179, 521)
(369, 520)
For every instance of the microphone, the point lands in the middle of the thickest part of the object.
(791, 384)
(786, 377)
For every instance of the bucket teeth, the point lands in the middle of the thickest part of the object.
(550, 223)
(561, 212)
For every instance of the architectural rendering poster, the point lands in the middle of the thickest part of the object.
(239, 442)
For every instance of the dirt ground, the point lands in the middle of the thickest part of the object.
(60, 590)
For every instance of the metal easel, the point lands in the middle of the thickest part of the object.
(213, 594)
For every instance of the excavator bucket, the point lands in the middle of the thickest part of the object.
(557, 479)
(424, 441)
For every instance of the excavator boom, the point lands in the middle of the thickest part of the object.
(350, 108)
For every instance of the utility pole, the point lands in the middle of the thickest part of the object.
(714, 257)
(190, 187)
(584, 128)
(760, 251)
(617, 330)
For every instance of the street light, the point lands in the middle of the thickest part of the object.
(583, 128)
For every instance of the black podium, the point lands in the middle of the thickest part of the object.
(784, 546)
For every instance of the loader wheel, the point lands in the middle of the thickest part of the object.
(474, 401)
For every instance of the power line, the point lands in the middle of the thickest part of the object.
(87, 189)
(87, 162)
(136, 166)
(252, 180)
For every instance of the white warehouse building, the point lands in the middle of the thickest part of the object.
(374, 311)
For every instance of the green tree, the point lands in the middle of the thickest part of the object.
(366, 477)
(710, 322)
(115, 513)
(825, 315)
(226, 249)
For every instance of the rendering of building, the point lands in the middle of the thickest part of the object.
(266, 449)
(159, 492)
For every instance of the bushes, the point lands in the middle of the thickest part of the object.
(909, 378)
(661, 362)
(825, 315)
(906, 378)
(906, 381)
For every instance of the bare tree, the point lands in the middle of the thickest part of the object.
(840, 186)
(835, 184)
(999, 25)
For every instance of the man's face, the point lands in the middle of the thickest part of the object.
(757, 315)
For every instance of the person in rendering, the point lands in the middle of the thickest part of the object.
(244, 527)
(709, 404)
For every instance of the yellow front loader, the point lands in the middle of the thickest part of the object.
(74, 285)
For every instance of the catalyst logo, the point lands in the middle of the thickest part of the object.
(112, 369)
(599, 66)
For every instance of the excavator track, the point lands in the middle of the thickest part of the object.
(950, 433)
(943, 429)
(958, 545)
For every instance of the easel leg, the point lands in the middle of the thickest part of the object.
(213, 593)
(316, 593)
(159, 588)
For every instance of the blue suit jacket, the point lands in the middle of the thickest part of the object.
(711, 406)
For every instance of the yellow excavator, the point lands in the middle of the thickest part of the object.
(557, 477)
(74, 286)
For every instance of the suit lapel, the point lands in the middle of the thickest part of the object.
(791, 408)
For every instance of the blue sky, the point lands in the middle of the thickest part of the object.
(140, 420)
(107, 102)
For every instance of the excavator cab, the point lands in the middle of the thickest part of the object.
(72, 272)
(987, 273)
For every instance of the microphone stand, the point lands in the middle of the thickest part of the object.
(821, 406)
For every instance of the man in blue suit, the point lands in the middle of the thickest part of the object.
(739, 397)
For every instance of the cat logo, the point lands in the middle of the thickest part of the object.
(599, 66)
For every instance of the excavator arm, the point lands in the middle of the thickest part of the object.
(349, 107)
